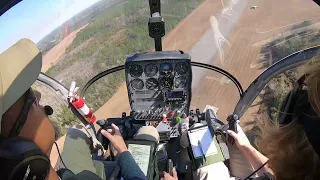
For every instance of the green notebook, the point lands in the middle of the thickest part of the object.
(204, 147)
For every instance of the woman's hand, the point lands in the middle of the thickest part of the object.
(166, 176)
(255, 158)
(240, 138)
(115, 138)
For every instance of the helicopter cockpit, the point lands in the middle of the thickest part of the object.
(159, 90)
(161, 85)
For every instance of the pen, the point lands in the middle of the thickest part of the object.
(203, 155)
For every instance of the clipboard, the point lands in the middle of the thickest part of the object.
(211, 151)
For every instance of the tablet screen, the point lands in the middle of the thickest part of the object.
(141, 154)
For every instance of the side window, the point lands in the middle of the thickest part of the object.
(62, 118)
(293, 39)
(276, 91)
(267, 104)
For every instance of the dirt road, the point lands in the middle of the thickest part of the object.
(58, 50)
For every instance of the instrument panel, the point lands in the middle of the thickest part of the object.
(161, 80)
(158, 83)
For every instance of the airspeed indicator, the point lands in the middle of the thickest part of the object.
(137, 84)
(151, 83)
(181, 68)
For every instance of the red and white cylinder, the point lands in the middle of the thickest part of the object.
(84, 110)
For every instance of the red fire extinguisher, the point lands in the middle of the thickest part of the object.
(80, 105)
(84, 110)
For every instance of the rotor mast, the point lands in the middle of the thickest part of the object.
(156, 24)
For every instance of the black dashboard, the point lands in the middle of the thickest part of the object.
(158, 83)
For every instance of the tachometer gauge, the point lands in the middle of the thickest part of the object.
(137, 84)
(166, 82)
(135, 70)
(151, 83)
(150, 70)
(166, 69)
(181, 68)
(180, 82)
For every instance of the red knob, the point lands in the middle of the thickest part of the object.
(171, 113)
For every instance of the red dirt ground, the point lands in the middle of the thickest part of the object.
(58, 50)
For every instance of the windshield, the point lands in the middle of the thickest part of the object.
(79, 39)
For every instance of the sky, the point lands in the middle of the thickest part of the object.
(34, 19)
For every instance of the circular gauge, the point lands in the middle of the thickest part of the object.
(166, 82)
(137, 84)
(166, 69)
(181, 68)
(135, 70)
(150, 70)
(180, 82)
(151, 83)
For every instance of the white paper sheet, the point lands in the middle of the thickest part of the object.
(141, 154)
(207, 144)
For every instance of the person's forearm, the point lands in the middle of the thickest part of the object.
(53, 175)
(129, 168)
(256, 159)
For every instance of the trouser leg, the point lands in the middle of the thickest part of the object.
(239, 165)
(149, 133)
(214, 171)
(77, 153)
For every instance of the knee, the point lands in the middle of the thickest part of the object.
(77, 131)
(149, 133)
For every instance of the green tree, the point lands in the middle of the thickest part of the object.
(67, 118)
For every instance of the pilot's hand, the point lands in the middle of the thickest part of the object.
(115, 138)
(240, 138)
(166, 176)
